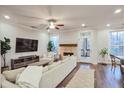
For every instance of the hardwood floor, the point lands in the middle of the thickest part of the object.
(104, 76)
(107, 78)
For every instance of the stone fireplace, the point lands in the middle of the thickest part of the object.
(68, 49)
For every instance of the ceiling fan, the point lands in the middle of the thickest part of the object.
(52, 24)
(49, 24)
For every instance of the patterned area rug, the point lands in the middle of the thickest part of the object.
(84, 78)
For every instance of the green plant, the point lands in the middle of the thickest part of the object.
(5, 46)
(103, 52)
(50, 46)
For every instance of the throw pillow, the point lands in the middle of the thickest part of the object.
(12, 74)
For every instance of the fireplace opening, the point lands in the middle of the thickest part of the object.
(68, 53)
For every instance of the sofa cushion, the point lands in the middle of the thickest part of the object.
(54, 64)
(12, 74)
(45, 69)
(66, 59)
(7, 84)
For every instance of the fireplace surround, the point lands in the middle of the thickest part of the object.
(68, 49)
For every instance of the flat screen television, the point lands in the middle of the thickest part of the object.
(26, 45)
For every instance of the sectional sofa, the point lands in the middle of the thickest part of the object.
(52, 75)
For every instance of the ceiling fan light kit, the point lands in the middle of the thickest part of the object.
(52, 24)
(52, 27)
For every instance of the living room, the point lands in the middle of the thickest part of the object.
(54, 38)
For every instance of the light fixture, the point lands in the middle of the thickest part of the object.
(108, 25)
(118, 11)
(83, 25)
(6, 17)
(52, 26)
(51, 23)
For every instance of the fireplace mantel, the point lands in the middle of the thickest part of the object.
(68, 45)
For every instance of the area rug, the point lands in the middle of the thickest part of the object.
(84, 78)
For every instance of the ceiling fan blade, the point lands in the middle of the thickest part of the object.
(60, 25)
(56, 27)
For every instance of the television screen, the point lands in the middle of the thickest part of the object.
(26, 45)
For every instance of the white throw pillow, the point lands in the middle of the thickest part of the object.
(30, 77)
(12, 74)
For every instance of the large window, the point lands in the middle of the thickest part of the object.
(117, 43)
(55, 42)
(85, 44)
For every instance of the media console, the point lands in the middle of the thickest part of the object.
(23, 61)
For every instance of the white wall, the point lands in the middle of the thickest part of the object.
(99, 40)
(13, 32)
(68, 37)
(103, 41)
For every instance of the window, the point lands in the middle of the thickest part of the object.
(54, 40)
(85, 44)
(117, 43)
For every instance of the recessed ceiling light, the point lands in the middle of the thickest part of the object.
(7, 17)
(118, 11)
(108, 25)
(83, 25)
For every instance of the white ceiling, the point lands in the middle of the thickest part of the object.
(72, 16)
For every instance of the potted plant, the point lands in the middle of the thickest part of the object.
(50, 49)
(50, 46)
(5, 46)
(103, 52)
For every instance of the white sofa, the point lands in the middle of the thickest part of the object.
(52, 75)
